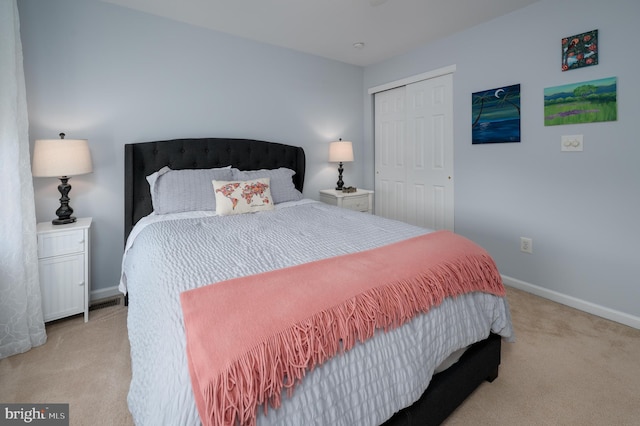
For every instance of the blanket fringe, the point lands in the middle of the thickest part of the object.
(281, 361)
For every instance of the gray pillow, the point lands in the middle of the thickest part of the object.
(282, 187)
(174, 191)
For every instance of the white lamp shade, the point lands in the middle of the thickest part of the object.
(61, 157)
(340, 151)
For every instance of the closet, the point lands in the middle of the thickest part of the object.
(414, 151)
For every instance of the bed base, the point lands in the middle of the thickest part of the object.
(451, 387)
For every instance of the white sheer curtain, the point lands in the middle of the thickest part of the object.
(21, 323)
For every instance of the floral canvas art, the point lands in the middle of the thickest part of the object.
(580, 50)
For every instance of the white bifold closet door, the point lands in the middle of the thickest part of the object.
(414, 153)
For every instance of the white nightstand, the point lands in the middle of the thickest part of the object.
(63, 259)
(361, 200)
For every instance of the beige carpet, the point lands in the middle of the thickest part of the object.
(84, 365)
(566, 368)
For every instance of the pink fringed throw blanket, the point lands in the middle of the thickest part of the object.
(249, 337)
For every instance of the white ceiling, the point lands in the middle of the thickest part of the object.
(329, 28)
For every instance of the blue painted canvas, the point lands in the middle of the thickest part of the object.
(496, 115)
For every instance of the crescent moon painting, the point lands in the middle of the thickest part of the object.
(496, 115)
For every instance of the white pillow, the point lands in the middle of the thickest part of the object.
(174, 191)
(237, 197)
(282, 187)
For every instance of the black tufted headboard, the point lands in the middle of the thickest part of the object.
(142, 159)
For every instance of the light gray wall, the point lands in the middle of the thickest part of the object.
(581, 209)
(115, 76)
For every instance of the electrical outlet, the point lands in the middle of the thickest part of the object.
(526, 245)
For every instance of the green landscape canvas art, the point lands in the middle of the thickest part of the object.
(585, 102)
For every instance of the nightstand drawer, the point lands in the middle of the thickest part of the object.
(60, 243)
(359, 203)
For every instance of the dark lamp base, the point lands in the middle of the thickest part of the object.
(64, 221)
(340, 183)
(65, 211)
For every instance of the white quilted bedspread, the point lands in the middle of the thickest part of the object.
(364, 386)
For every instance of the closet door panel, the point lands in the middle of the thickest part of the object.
(390, 154)
(430, 138)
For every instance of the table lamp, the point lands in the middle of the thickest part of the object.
(62, 158)
(340, 151)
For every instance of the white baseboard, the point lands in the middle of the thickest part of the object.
(583, 305)
(103, 293)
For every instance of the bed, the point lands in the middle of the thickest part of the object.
(352, 388)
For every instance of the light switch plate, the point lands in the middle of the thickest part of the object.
(572, 143)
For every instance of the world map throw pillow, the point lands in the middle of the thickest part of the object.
(237, 197)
